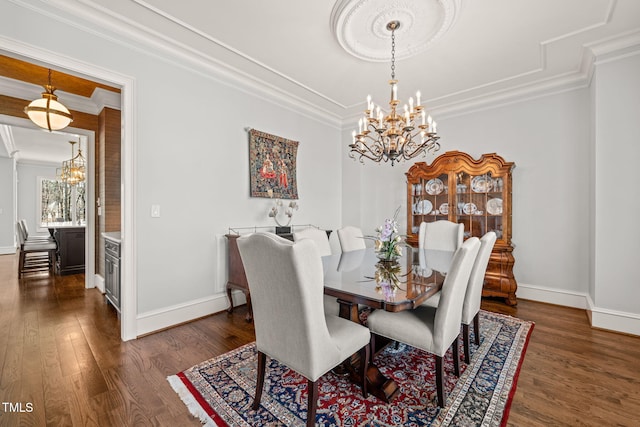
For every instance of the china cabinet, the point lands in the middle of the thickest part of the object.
(476, 193)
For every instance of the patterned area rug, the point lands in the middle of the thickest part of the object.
(220, 391)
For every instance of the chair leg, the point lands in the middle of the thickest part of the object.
(456, 357)
(372, 346)
(262, 365)
(364, 363)
(21, 263)
(440, 381)
(476, 327)
(312, 403)
(465, 340)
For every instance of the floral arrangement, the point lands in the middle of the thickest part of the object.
(388, 243)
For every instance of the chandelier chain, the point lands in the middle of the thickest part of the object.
(393, 54)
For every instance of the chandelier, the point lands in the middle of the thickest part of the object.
(47, 112)
(396, 136)
(73, 170)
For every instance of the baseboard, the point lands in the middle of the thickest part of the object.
(553, 296)
(98, 282)
(613, 320)
(157, 320)
(601, 318)
(6, 250)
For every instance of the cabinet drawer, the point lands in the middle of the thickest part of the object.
(112, 248)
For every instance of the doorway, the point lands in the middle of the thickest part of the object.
(126, 84)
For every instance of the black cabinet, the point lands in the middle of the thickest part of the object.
(70, 256)
(112, 272)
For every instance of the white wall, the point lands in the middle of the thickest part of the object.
(7, 224)
(192, 159)
(547, 138)
(617, 199)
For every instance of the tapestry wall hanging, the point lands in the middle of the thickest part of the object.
(272, 164)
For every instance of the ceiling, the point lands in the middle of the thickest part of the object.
(492, 49)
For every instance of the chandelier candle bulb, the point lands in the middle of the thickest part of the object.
(418, 98)
(411, 104)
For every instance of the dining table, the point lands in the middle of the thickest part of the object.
(359, 279)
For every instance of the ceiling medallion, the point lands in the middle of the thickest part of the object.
(360, 26)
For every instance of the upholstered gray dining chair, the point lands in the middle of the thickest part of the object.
(286, 283)
(321, 240)
(473, 295)
(318, 236)
(442, 235)
(351, 238)
(429, 329)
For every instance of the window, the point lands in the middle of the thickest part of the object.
(61, 202)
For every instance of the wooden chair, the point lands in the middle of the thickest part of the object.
(429, 329)
(286, 283)
(443, 235)
(35, 255)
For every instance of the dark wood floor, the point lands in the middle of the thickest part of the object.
(60, 351)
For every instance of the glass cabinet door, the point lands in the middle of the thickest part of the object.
(430, 201)
(479, 203)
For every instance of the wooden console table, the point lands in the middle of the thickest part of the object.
(237, 276)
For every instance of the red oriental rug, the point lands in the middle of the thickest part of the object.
(220, 391)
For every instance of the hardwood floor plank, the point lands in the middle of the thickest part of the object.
(60, 349)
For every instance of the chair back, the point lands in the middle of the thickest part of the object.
(21, 234)
(351, 238)
(442, 235)
(449, 311)
(473, 295)
(286, 283)
(319, 237)
(25, 229)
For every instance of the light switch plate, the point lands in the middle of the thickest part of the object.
(155, 211)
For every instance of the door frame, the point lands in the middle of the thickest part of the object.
(128, 307)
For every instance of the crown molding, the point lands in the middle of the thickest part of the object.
(103, 98)
(614, 48)
(183, 55)
(6, 135)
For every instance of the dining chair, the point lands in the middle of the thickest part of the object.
(319, 237)
(321, 240)
(442, 234)
(473, 295)
(429, 329)
(351, 238)
(286, 283)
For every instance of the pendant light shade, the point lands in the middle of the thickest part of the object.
(47, 112)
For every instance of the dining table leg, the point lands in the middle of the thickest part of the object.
(382, 387)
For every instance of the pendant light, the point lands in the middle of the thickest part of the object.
(47, 112)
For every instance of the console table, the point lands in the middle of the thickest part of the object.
(237, 276)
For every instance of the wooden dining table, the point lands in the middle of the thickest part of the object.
(359, 278)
